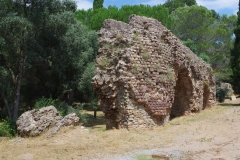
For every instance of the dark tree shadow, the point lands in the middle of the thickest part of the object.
(94, 122)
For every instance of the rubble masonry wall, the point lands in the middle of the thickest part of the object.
(145, 75)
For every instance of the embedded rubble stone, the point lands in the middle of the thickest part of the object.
(32, 123)
(145, 75)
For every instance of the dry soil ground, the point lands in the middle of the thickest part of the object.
(213, 134)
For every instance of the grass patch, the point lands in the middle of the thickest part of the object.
(146, 55)
(94, 123)
(144, 157)
(204, 139)
(207, 114)
(134, 68)
(135, 37)
(119, 36)
(104, 61)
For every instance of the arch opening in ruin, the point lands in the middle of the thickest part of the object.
(183, 94)
(206, 94)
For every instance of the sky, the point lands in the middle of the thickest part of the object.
(220, 6)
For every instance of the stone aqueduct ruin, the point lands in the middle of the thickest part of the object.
(145, 75)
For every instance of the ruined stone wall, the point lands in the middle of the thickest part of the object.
(145, 75)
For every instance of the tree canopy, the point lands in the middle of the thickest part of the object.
(235, 53)
(97, 4)
(172, 5)
(207, 35)
(94, 18)
(44, 51)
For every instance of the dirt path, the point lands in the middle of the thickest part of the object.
(213, 134)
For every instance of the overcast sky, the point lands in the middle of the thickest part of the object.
(221, 6)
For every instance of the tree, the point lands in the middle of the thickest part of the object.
(17, 34)
(94, 18)
(172, 5)
(86, 88)
(235, 53)
(207, 35)
(97, 4)
(44, 51)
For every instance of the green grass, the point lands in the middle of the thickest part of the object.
(144, 157)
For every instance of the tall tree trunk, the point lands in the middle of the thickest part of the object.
(17, 91)
(70, 97)
(95, 113)
(6, 104)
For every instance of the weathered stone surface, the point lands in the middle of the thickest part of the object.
(233, 98)
(145, 75)
(33, 123)
(227, 86)
(68, 120)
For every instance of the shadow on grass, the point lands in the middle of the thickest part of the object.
(229, 105)
(94, 122)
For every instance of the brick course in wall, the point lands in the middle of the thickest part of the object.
(145, 75)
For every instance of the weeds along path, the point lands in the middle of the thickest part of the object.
(210, 134)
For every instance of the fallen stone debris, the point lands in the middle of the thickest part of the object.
(34, 122)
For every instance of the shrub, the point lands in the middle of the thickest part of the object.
(205, 57)
(7, 128)
(62, 107)
(221, 94)
(43, 102)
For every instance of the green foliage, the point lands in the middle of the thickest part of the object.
(235, 53)
(172, 5)
(97, 4)
(62, 107)
(7, 128)
(51, 48)
(204, 32)
(85, 86)
(93, 18)
(221, 94)
(192, 24)
(205, 57)
(223, 77)
(44, 102)
(191, 45)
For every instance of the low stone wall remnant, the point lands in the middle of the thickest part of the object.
(145, 75)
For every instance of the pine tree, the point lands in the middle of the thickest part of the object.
(235, 54)
(97, 4)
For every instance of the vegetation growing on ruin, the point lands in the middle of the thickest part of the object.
(146, 55)
(103, 61)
